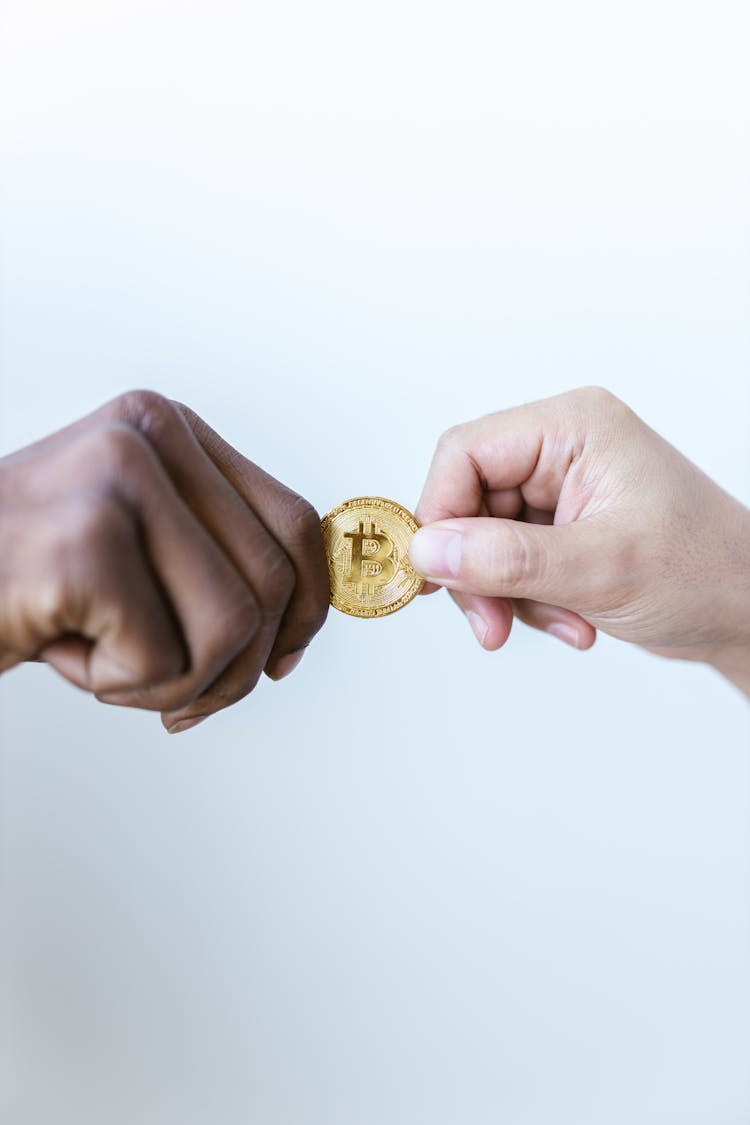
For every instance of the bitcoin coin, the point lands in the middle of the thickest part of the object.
(367, 545)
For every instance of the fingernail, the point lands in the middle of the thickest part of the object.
(435, 553)
(186, 724)
(286, 665)
(478, 624)
(564, 633)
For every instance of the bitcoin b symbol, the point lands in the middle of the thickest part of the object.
(366, 541)
(371, 563)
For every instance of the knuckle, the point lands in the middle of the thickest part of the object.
(226, 693)
(596, 398)
(160, 664)
(242, 623)
(313, 622)
(301, 522)
(148, 411)
(222, 694)
(117, 450)
(236, 681)
(193, 419)
(604, 416)
(172, 697)
(278, 583)
(146, 697)
(513, 561)
(450, 438)
(231, 627)
(298, 630)
(138, 674)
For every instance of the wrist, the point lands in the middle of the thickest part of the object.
(731, 658)
(734, 665)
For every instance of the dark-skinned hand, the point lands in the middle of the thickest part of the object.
(152, 564)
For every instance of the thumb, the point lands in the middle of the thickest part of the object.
(510, 559)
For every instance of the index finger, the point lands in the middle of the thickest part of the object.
(497, 464)
(493, 454)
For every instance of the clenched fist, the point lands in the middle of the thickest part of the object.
(153, 565)
(574, 515)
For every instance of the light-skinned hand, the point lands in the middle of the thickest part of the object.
(574, 515)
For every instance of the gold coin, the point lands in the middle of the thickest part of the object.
(367, 545)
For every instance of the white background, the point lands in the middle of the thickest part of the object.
(415, 883)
